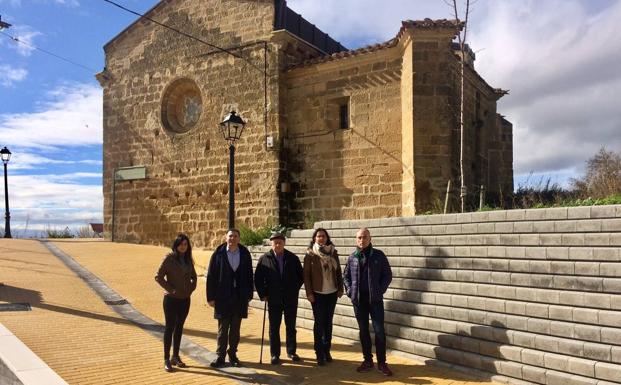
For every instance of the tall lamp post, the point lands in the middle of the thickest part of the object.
(232, 127)
(5, 154)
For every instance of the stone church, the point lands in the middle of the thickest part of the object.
(331, 132)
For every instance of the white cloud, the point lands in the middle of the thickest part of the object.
(72, 117)
(24, 160)
(25, 36)
(44, 200)
(10, 75)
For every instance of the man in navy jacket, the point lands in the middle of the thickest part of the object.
(278, 279)
(366, 278)
(229, 289)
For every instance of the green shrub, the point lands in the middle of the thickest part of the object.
(54, 233)
(251, 237)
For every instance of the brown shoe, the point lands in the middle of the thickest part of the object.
(383, 368)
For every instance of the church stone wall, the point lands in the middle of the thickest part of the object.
(187, 173)
(345, 173)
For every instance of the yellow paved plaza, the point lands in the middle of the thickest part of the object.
(86, 342)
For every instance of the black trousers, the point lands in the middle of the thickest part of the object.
(363, 310)
(323, 312)
(276, 311)
(175, 312)
(228, 331)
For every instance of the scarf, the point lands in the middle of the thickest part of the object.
(359, 254)
(325, 256)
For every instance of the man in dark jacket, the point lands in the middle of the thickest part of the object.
(229, 289)
(278, 279)
(366, 278)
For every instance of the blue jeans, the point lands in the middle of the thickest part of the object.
(363, 311)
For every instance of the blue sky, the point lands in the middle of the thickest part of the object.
(558, 58)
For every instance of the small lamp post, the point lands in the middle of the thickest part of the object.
(5, 154)
(232, 127)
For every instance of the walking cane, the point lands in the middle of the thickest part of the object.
(263, 332)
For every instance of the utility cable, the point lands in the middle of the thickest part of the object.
(184, 34)
(17, 40)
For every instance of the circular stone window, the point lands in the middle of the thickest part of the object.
(181, 106)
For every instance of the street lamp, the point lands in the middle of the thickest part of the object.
(232, 127)
(5, 154)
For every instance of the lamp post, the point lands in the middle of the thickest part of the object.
(232, 127)
(5, 154)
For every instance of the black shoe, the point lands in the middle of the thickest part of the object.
(234, 361)
(328, 357)
(167, 366)
(294, 357)
(275, 360)
(176, 361)
(321, 361)
(217, 363)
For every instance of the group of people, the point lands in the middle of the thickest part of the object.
(278, 277)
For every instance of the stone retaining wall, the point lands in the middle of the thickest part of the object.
(531, 295)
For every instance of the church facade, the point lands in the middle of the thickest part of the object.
(330, 133)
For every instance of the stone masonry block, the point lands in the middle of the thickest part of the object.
(610, 335)
(557, 378)
(539, 326)
(529, 240)
(524, 339)
(523, 227)
(589, 316)
(603, 212)
(547, 343)
(534, 374)
(556, 362)
(578, 212)
(601, 301)
(565, 226)
(537, 310)
(581, 253)
(515, 252)
(560, 312)
(616, 354)
(606, 254)
(571, 347)
(561, 329)
(573, 239)
(588, 332)
(587, 268)
(532, 357)
(607, 371)
(535, 252)
(610, 269)
(517, 322)
(551, 239)
(590, 225)
(543, 227)
(557, 253)
(525, 294)
(612, 285)
(597, 351)
(534, 214)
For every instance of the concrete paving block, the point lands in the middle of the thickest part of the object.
(525, 294)
(516, 252)
(510, 239)
(556, 213)
(616, 354)
(551, 239)
(610, 335)
(573, 239)
(543, 227)
(590, 225)
(612, 285)
(578, 212)
(534, 374)
(519, 266)
(536, 252)
(539, 326)
(525, 339)
(523, 227)
(598, 239)
(535, 214)
(553, 253)
(571, 347)
(529, 240)
(572, 298)
(603, 212)
(610, 269)
(587, 268)
(540, 267)
(532, 357)
(537, 310)
(607, 371)
(565, 226)
(556, 361)
(560, 312)
(610, 318)
(507, 292)
(606, 254)
(516, 322)
(547, 343)
(588, 316)
(588, 332)
(581, 253)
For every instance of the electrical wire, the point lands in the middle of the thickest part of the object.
(184, 34)
(17, 40)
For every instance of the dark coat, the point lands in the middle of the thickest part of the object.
(220, 281)
(178, 282)
(379, 274)
(280, 289)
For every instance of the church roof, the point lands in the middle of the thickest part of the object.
(426, 24)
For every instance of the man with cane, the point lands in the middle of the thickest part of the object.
(278, 279)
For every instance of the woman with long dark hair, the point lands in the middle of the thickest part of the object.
(323, 282)
(178, 278)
